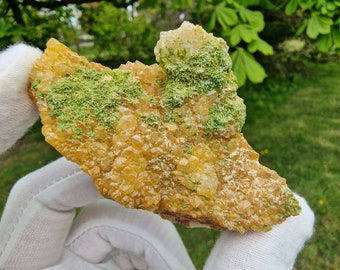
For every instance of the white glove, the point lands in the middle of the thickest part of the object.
(36, 233)
(17, 112)
(37, 229)
(273, 250)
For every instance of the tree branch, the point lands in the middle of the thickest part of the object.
(17, 15)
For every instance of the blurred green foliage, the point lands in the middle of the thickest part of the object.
(240, 27)
(262, 34)
(118, 36)
(320, 20)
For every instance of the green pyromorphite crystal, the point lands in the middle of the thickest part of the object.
(195, 63)
(89, 94)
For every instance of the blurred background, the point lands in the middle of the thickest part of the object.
(285, 55)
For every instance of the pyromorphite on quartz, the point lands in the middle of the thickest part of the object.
(197, 63)
(165, 137)
(87, 95)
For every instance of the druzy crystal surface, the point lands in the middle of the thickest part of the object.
(164, 137)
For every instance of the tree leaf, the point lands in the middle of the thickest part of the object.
(245, 66)
(226, 16)
(4, 27)
(255, 19)
(312, 29)
(235, 36)
(252, 46)
(318, 24)
(291, 7)
(336, 36)
(212, 22)
(233, 18)
(249, 2)
(260, 45)
(200, 5)
(255, 72)
(238, 68)
(331, 6)
(244, 32)
(242, 12)
(301, 28)
(147, 4)
(324, 42)
(247, 33)
(306, 4)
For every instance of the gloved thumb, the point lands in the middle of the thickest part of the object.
(276, 249)
(39, 214)
(17, 111)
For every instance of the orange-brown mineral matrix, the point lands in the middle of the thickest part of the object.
(165, 137)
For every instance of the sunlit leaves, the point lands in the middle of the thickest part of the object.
(254, 18)
(242, 32)
(318, 24)
(321, 21)
(306, 4)
(336, 36)
(245, 66)
(249, 2)
(226, 16)
(240, 26)
(324, 42)
(291, 7)
(260, 45)
(212, 22)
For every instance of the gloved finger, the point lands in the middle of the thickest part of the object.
(131, 238)
(39, 214)
(276, 249)
(17, 111)
(70, 261)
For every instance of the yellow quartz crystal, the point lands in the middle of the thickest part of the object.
(165, 137)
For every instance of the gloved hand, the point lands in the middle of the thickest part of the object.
(17, 112)
(38, 231)
(273, 250)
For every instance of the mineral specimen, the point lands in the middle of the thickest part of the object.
(165, 137)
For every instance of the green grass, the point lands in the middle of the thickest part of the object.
(295, 123)
(302, 136)
(28, 154)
